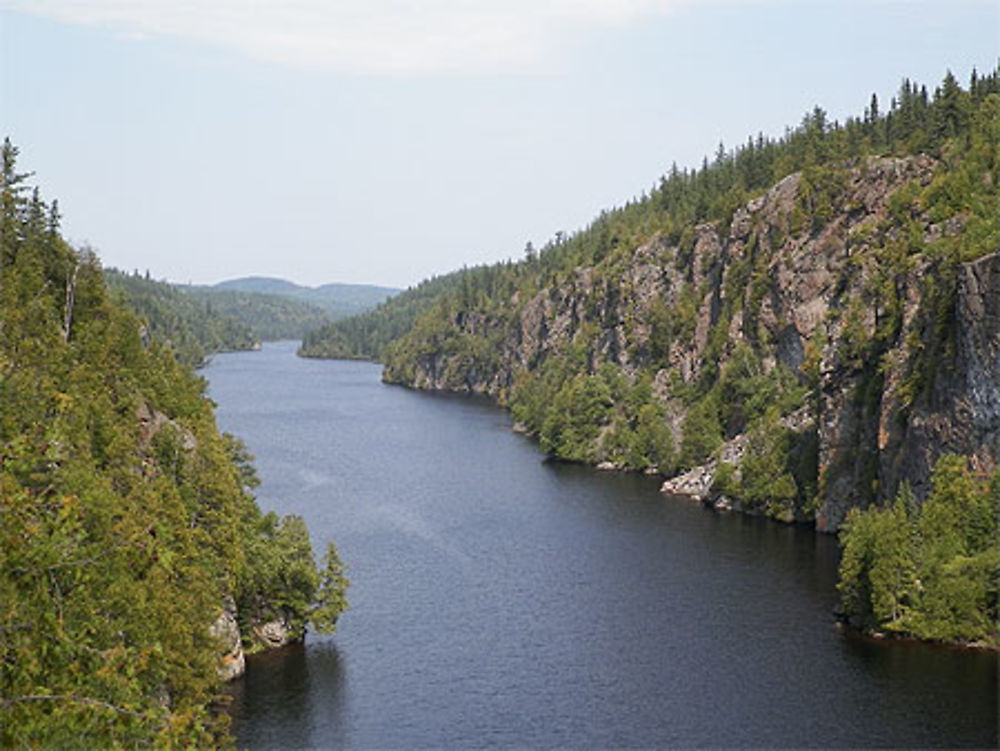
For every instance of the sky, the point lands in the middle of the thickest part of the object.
(385, 141)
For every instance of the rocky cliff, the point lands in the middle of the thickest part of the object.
(844, 280)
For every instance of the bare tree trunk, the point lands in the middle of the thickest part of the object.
(70, 292)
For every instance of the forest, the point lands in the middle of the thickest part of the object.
(270, 317)
(364, 336)
(126, 519)
(190, 327)
(785, 320)
(197, 321)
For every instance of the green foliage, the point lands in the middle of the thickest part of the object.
(367, 335)
(852, 346)
(663, 329)
(336, 300)
(269, 316)
(746, 390)
(655, 441)
(820, 192)
(767, 483)
(931, 572)
(581, 408)
(331, 597)
(125, 517)
(818, 148)
(702, 433)
(192, 328)
(468, 330)
(281, 579)
(588, 400)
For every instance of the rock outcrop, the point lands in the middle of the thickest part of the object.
(232, 661)
(273, 634)
(263, 635)
(898, 380)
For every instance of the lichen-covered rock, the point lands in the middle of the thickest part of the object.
(232, 662)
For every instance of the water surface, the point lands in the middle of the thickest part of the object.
(501, 600)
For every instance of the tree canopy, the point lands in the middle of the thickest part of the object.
(126, 518)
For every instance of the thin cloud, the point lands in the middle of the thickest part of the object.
(383, 37)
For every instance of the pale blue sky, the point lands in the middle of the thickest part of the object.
(383, 141)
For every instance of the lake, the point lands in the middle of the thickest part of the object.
(502, 600)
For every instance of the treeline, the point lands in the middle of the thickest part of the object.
(365, 336)
(270, 317)
(915, 121)
(126, 519)
(336, 299)
(650, 339)
(192, 328)
(198, 321)
(955, 125)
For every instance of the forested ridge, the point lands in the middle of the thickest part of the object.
(270, 317)
(128, 527)
(804, 327)
(336, 299)
(191, 327)
(365, 336)
(198, 320)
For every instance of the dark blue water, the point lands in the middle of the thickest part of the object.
(500, 600)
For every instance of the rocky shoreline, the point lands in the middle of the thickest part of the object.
(265, 635)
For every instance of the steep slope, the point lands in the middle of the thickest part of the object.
(832, 318)
(193, 329)
(804, 328)
(365, 336)
(338, 300)
(755, 303)
(270, 317)
(135, 565)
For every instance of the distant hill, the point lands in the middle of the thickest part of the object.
(264, 284)
(271, 317)
(365, 336)
(337, 300)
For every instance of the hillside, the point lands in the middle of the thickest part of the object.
(365, 336)
(196, 321)
(135, 564)
(801, 328)
(335, 299)
(193, 329)
(270, 317)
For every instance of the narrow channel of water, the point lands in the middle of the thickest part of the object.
(501, 600)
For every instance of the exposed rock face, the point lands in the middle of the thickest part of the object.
(269, 634)
(698, 483)
(961, 414)
(977, 383)
(232, 662)
(152, 422)
(782, 282)
(273, 634)
(695, 484)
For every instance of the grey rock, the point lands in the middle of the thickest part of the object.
(232, 661)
